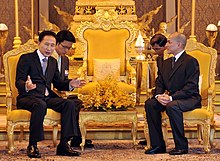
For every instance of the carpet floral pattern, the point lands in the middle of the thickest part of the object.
(110, 150)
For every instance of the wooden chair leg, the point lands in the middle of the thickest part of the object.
(206, 137)
(21, 136)
(55, 133)
(134, 133)
(165, 131)
(212, 135)
(199, 133)
(10, 134)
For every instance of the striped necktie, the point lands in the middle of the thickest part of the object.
(44, 65)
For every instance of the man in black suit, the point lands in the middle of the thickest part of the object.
(177, 91)
(65, 40)
(35, 73)
(158, 44)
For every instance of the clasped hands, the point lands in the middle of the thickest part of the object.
(164, 99)
(74, 83)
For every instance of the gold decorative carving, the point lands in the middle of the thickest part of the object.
(163, 26)
(182, 28)
(105, 20)
(108, 118)
(86, 8)
(144, 21)
(50, 26)
(67, 18)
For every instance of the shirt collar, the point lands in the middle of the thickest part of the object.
(178, 55)
(40, 55)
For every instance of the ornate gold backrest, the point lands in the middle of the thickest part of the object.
(106, 38)
(207, 58)
(10, 60)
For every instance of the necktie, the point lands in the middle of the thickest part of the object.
(44, 65)
(173, 61)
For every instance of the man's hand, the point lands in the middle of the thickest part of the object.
(164, 99)
(77, 83)
(29, 85)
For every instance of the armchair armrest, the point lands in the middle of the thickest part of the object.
(211, 96)
(150, 92)
(9, 102)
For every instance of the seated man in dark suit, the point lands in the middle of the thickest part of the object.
(35, 73)
(176, 91)
(65, 40)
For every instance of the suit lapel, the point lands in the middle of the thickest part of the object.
(61, 68)
(177, 64)
(50, 66)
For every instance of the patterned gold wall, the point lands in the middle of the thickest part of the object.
(206, 12)
(7, 17)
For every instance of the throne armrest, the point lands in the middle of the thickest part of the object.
(131, 74)
(211, 96)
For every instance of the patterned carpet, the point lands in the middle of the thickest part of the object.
(111, 150)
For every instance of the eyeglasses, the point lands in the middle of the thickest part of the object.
(66, 47)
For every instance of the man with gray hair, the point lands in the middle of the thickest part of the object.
(176, 91)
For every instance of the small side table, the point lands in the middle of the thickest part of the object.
(146, 72)
(119, 117)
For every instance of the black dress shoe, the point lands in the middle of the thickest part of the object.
(178, 152)
(88, 141)
(75, 142)
(66, 150)
(33, 152)
(142, 142)
(157, 150)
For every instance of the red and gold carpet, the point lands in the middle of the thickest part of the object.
(111, 150)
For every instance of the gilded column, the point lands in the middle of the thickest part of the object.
(32, 19)
(193, 36)
(17, 39)
(178, 16)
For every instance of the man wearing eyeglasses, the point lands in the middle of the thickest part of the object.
(65, 40)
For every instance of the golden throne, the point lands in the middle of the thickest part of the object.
(106, 44)
(19, 117)
(202, 117)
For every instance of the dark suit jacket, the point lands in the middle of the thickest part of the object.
(29, 64)
(64, 68)
(181, 81)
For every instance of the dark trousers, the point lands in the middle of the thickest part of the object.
(153, 113)
(68, 108)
